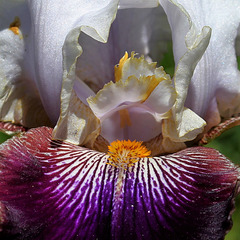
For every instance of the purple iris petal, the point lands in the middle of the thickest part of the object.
(53, 190)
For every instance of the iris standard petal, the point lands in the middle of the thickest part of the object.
(189, 44)
(19, 97)
(134, 95)
(130, 31)
(145, 31)
(95, 24)
(96, 65)
(54, 190)
(215, 83)
(51, 24)
(96, 75)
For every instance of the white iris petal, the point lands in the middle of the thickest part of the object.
(215, 85)
(33, 64)
(117, 105)
(55, 48)
(19, 98)
(134, 99)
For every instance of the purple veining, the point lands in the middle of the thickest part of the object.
(55, 190)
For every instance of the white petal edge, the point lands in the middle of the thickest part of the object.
(132, 30)
(220, 80)
(196, 43)
(97, 28)
(56, 24)
(19, 97)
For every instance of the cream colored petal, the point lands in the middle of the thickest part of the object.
(97, 25)
(162, 97)
(133, 92)
(190, 126)
(182, 77)
(19, 99)
(115, 96)
(145, 31)
(190, 44)
(53, 42)
(80, 125)
(217, 75)
(133, 108)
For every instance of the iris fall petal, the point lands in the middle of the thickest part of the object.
(10, 128)
(55, 190)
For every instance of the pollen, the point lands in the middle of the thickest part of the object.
(14, 26)
(123, 154)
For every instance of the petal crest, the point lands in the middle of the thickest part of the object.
(135, 94)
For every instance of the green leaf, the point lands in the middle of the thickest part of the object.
(4, 137)
(168, 60)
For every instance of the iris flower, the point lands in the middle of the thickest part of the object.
(116, 165)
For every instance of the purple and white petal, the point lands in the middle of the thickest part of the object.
(54, 190)
(10, 128)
